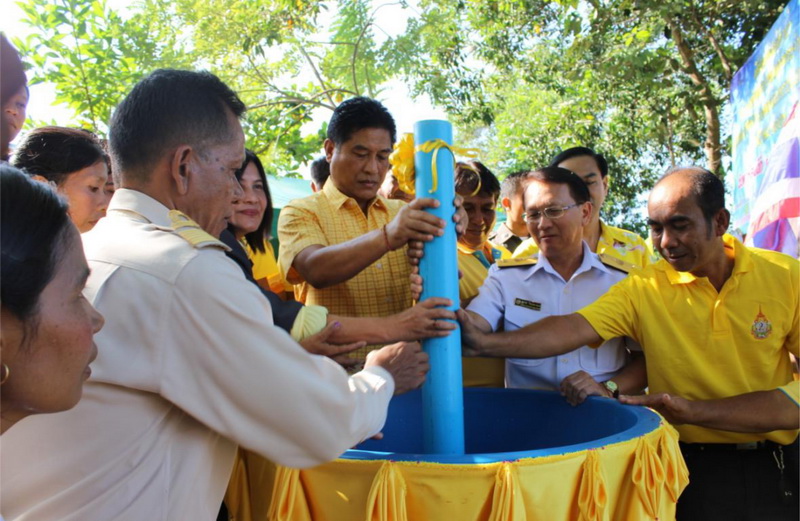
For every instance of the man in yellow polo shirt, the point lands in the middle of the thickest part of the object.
(601, 238)
(343, 247)
(717, 322)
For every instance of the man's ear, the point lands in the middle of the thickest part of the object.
(721, 222)
(180, 168)
(505, 202)
(329, 145)
(586, 212)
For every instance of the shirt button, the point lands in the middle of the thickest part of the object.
(379, 265)
(388, 299)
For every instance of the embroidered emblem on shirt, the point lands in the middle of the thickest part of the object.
(513, 263)
(536, 306)
(761, 327)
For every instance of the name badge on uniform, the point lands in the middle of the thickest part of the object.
(536, 306)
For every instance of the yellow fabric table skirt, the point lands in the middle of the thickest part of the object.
(638, 479)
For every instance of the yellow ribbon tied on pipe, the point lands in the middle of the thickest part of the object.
(402, 160)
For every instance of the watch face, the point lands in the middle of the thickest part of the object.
(612, 388)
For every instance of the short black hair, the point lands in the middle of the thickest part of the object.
(512, 184)
(356, 114)
(164, 110)
(557, 175)
(569, 153)
(257, 238)
(707, 188)
(34, 226)
(320, 171)
(467, 181)
(56, 152)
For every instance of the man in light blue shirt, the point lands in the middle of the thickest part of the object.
(566, 277)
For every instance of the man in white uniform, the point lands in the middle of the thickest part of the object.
(189, 364)
(566, 277)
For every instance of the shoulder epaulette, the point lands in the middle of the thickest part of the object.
(193, 233)
(513, 263)
(616, 263)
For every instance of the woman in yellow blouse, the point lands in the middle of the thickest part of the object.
(251, 223)
(480, 190)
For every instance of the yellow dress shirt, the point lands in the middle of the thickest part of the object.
(616, 242)
(704, 345)
(329, 217)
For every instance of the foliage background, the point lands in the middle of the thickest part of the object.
(645, 82)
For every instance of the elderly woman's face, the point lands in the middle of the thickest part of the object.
(47, 370)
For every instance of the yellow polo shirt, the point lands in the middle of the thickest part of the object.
(479, 372)
(704, 345)
(616, 242)
(329, 217)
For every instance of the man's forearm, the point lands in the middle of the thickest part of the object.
(373, 330)
(326, 266)
(760, 411)
(548, 337)
(633, 377)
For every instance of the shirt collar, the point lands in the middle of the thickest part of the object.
(742, 262)
(338, 199)
(127, 200)
(590, 261)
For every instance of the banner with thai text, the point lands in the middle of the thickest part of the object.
(765, 174)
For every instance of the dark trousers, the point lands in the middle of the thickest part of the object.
(740, 485)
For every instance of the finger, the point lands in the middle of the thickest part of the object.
(345, 361)
(418, 218)
(423, 202)
(432, 302)
(343, 349)
(325, 333)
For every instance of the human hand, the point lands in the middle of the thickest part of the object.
(674, 409)
(428, 319)
(405, 361)
(580, 384)
(317, 344)
(471, 336)
(414, 252)
(413, 223)
(415, 282)
(460, 217)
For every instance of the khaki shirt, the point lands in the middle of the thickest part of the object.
(189, 367)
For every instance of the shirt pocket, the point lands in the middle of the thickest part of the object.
(517, 317)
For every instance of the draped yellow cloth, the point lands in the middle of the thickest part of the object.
(638, 479)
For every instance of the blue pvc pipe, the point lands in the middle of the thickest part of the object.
(442, 393)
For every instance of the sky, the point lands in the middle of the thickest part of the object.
(390, 20)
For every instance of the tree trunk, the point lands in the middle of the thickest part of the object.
(711, 146)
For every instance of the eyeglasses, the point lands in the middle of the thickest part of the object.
(554, 212)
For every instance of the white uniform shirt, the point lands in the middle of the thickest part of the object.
(514, 297)
(189, 366)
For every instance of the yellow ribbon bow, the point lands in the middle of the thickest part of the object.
(402, 160)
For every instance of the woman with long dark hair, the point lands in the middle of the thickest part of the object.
(47, 325)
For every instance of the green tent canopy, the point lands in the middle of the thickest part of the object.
(283, 190)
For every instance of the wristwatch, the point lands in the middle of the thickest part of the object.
(612, 387)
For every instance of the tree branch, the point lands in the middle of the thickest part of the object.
(712, 144)
(317, 74)
(723, 58)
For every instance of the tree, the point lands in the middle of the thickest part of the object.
(642, 81)
(269, 51)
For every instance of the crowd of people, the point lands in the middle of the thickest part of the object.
(144, 304)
